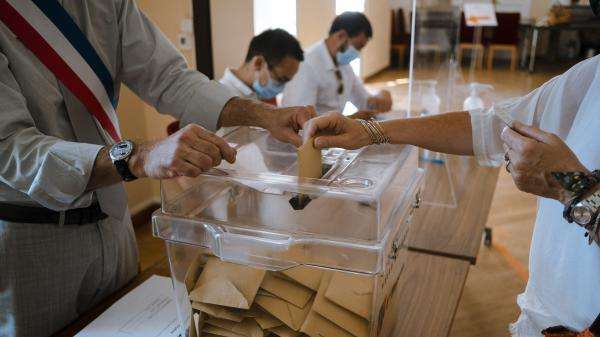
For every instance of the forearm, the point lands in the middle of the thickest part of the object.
(245, 112)
(447, 133)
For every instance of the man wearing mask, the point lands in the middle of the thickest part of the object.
(326, 79)
(272, 60)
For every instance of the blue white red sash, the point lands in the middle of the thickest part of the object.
(46, 28)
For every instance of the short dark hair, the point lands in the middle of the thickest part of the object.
(274, 45)
(353, 23)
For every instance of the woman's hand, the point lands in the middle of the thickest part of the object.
(532, 157)
(334, 130)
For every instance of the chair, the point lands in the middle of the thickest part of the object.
(399, 36)
(505, 37)
(467, 36)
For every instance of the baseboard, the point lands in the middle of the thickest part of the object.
(142, 214)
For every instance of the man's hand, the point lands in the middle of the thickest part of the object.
(533, 155)
(334, 130)
(381, 102)
(188, 152)
(285, 123)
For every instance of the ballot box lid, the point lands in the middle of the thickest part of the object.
(258, 207)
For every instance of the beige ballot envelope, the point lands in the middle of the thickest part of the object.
(291, 292)
(247, 328)
(266, 320)
(289, 314)
(193, 272)
(353, 292)
(210, 330)
(341, 317)
(316, 325)
(310, 163)
(227, 284)
(284, 331)
(306, 276)
(236, 315)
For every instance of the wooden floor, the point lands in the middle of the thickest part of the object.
(488, 302)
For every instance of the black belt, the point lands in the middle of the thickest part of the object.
(40, 215)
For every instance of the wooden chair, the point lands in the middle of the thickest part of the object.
(399, 36)
(467, 36)
(505, 37)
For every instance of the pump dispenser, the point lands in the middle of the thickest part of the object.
(474, 100)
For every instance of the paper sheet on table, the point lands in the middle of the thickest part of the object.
(146, 311)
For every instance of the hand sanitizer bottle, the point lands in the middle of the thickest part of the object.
(474, 101)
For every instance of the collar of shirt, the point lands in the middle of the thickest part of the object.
(236, 85)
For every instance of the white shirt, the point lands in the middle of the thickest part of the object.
(564, 282)
(316, 83)
(236, 86)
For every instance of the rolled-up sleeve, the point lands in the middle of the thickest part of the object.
(560, 97)
(51, 171)
(155, 70)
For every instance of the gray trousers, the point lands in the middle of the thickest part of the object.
(50, 274)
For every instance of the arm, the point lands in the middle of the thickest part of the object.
(449, 133)
(360, 97)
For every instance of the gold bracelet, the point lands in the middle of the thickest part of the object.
(375, 131)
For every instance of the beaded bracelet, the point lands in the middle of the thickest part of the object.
(577, 182)
(375, 131)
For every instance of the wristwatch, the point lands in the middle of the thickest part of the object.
(585, 211)
(120, 154)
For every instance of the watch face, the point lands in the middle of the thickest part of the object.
(581, 215)
(121, 150)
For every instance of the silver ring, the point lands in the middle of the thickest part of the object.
(507, 160)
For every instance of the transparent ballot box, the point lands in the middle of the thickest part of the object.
(256, 251)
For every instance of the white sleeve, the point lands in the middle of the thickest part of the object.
(563, 93)
(358, 93)
(302, 89)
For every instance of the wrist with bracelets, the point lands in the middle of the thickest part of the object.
(375, 131)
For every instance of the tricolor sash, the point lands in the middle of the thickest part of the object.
(48, 31)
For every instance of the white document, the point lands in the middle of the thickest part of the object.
(480, 15)
(147, 311)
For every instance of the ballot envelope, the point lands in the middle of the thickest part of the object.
(257, 250)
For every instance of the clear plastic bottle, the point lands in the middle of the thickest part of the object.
(474, 101)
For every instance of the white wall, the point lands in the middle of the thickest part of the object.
(314, 18)
(232, 29)
(376, 55)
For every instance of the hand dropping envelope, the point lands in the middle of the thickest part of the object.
(316, 325)
(306, 276)
(310, 163)
(286, 312)
(353, 292)
(227, 284)
(291, 292)
(340, 316)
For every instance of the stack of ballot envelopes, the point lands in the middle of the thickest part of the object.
(234, 300)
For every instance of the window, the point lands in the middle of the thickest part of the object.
(342, 6)
(270, 14)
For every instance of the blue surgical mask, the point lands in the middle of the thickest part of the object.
(347, 56)
(272, 89)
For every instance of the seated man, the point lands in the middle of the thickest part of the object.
(272, 60)
(326, 79)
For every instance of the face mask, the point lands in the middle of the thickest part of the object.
(595, 6)
(272, 89)
(347, 56)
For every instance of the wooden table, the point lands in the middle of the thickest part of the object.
(442, 243)
(454, 232)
